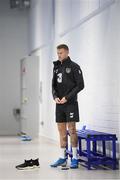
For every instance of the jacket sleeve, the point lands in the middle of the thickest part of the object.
(54, 91)
(78, 78)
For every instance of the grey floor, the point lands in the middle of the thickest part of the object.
(13, 152)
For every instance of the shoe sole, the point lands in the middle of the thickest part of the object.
(27, 168)
(62, 165)
(74, 167)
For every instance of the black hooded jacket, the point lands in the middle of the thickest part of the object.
(67, 80)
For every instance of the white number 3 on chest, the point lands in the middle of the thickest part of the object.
(59, 78)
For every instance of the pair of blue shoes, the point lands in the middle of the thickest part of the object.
(63, 163)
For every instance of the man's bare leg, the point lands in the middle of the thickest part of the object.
(63, 142)
(62, 128)
(73, 138)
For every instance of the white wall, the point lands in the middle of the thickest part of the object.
(92, 31)
(40, 23)
(41, 28)
(13, 46)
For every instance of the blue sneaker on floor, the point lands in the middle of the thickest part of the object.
(74, 163)
(59, 162)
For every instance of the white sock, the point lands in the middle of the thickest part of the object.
(63, 153)
(74, 151)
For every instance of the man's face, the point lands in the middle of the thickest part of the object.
(62, 54)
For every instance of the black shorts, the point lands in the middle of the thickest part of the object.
(67, 112)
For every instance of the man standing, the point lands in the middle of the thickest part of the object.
(66, 83)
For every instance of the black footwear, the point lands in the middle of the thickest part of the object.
(36, 163)
(28, 164)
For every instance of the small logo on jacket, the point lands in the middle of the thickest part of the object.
(68, 70)
(56, 70)
(79, 71)
(71, 114)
